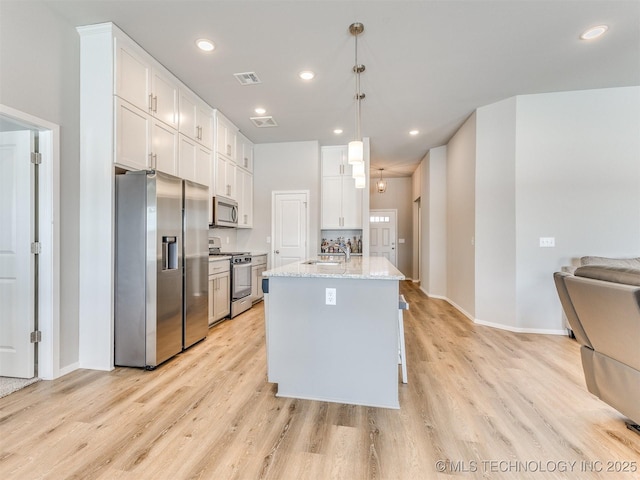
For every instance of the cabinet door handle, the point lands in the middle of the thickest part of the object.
(228, 149)
(155, 104)
(155, 160)
(277, 251)
(151, 102)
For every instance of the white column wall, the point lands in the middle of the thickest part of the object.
(495, 241)
(434, 223)
(461, 172)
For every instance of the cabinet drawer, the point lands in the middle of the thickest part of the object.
(218, 266)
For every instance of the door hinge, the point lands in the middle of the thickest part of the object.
(36, 248)
(36, 336)
(36, 158)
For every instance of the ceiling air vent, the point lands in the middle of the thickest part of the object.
(247, 78)
(263, 122)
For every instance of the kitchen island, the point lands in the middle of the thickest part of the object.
(332, 330)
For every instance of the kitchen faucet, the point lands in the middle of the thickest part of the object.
(343, 247)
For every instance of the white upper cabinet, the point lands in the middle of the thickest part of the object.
(341, 200)
(144, 83)
(245, 152)
(194, 161)
(225, 178)
(196, 118)
(204, 123)
(244, 183)
(132, 131)
(164, 148)
(132, 73)
(226, 136)
(164, 97)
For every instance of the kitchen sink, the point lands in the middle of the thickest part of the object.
(321, 262)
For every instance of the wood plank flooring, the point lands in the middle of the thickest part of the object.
(480, 403)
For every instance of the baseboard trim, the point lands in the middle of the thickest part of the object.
(509, 328)
(68, 369)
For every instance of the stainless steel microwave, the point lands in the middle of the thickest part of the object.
(225, 212)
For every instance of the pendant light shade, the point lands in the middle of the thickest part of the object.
(357, 170)
(356, 152)
(381, 184)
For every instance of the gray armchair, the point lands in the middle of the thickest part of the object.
(602, 306)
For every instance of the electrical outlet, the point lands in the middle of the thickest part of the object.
(547, 242)
(330, 296)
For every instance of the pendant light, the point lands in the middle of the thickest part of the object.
(381, 185)
(356, 148)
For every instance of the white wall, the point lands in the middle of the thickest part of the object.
(578, 180)
(398, 196)
(282, 166)
(42, 78)
(461, 172)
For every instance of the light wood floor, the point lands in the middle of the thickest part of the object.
(487, 402)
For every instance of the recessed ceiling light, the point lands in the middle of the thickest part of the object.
(337, 131)
(414, 132)
(205, 45)
(306, 75)
(594, 32)
(260, 111)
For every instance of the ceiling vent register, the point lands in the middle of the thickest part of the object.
(247, 78)
(264, 122)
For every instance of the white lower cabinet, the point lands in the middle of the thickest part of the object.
(219, 291)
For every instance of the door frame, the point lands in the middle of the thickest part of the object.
(48, 356)
(307, 194)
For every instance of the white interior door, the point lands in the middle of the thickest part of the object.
(290, 225)
(382, 234)
(16, 261)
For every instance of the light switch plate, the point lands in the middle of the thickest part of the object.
(547, 242)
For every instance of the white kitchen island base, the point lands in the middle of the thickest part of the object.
(346, 353)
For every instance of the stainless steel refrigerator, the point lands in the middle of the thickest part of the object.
(161, 287)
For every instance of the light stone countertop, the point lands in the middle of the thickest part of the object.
(366, 268)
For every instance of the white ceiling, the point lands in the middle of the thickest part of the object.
(429, 64)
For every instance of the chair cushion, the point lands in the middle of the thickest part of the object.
(611, 262)
(626, 276)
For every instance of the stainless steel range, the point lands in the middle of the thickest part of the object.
(240, 277)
